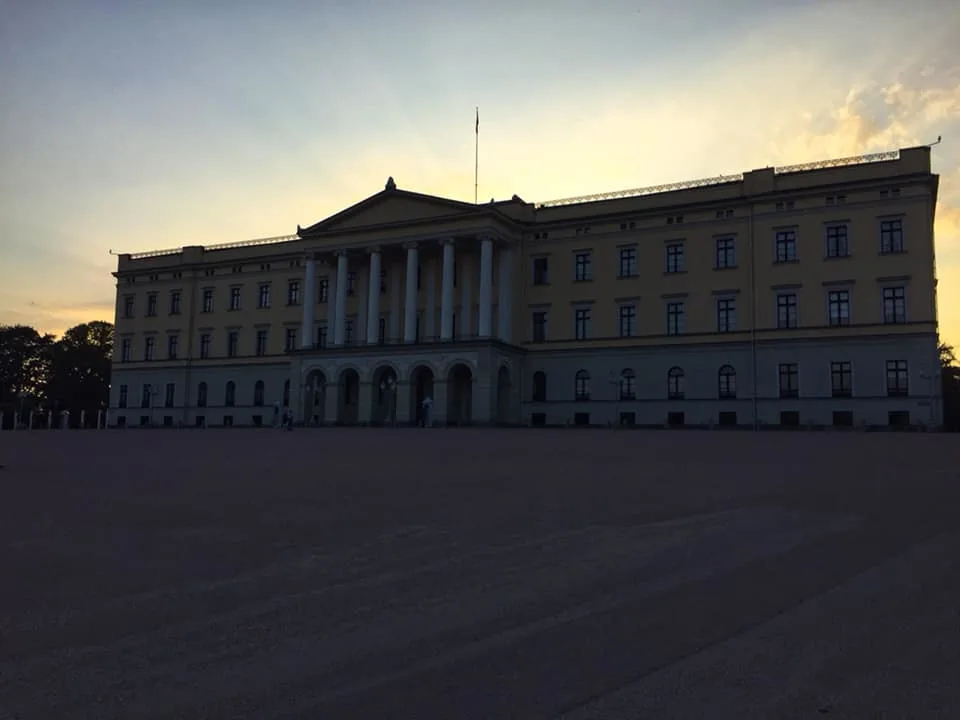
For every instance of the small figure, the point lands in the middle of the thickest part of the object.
(427, 404)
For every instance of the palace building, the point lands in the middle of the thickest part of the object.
(802, 295)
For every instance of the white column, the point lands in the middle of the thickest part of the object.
(446, 292)
(373, 299)
(309, 300)
(465, 321)
(505, 301)
(340, 319)
(430, 329)
(486, 287)
(410, 301)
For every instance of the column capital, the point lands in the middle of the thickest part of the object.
(446, 241)
(340, 253)
(310, 256)
(374, 249)
(410, 245)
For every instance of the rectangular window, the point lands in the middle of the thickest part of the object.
(891, 236)
(208, 300)
(789, 380)
(628, 262)
(128, 306)
(787, 310)
(175, 302)
(122, 397)
(173, 346)
(726, 315)
(838, 304)
(205, 345)
(322, 336)
(233, 340)
(148, 347)
(894, 305)
(628, 320)
(290, 339)
(235, 298)
(169, 395)
(263, 298)
(675, 318)
(261, 342)
(126, 350)
(351, 283)
(151, 305)
(897, 381)
(785, 246)
(146, 396)
(582, 266)
(838, 241)
(383, 282)
(539, 326)
(675, 262)
(581, 322)
(541, 275)
(841, 379)
(348, 332)
(323, 290)
(293, 292)
(726, 256)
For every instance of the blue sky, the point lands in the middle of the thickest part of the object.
(137, 124)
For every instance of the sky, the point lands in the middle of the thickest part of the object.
(132, 125)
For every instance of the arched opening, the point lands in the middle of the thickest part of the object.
(383, 396)
(348, 397)
(504, 396)
(421, 381)
(675, 383)
(459, 395)
(258, 393)
(315, 398)
(539, 386)
(230, 394)
(727, 382)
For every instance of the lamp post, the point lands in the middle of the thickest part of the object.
(388, 386)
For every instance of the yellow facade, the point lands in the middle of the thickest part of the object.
(831, 262)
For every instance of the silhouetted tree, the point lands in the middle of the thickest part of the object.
(79, 370)
(948, 357)
(24, 363)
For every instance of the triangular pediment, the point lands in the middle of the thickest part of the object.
(392, 207)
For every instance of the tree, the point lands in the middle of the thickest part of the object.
(79, 370)
(24, 363)
(948, 357)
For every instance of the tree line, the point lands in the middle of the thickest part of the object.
(40, 372)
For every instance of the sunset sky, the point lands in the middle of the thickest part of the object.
(139, 124)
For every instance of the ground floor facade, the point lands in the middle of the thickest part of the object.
(850, 382)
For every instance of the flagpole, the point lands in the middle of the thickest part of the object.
(476, 157)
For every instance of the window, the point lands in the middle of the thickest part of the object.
(897, 382)
(898, 418)
(538, 419)
(541, 275)
(322, 336)
(676, 419)
(628, 262)
(789, 418)
(540, 326)
(290, 339)
(838, 242)
(128, 306)
(841, 379)
(348, 332)
(230, 394)
(675, 258)
(727, 382)
(675, 318)
(286, 392)
(382, 330)
(148, 347)
(263, 299)
(891, 236)
(894, 305)
(539, 386)
(146, 396)
(582, 385)
(582, 269)
(151, 305)
(261, 342)
(628, 385)
(789, 380)
(383, 281)
(233, 340)
(727, 418)
(126, 350)
(675, 383)
(293, 292)
(628, 320)
(122, 397)
(726, 315)
(175, 302)
(842, 418)
(351, 283)
(785, 246)
(582, 323)
(173, 345)
(786, 310)
(235, 298)
(169, 395)
(726, 256)
(205, 345)
(207, 300)
(838, 304)
(581, 419)
(258, 393)
(323, 290)
(202, 395)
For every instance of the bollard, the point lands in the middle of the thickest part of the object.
(49, 419)
(83, 419)
(99, 419)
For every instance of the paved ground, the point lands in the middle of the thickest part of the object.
(479, 574)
